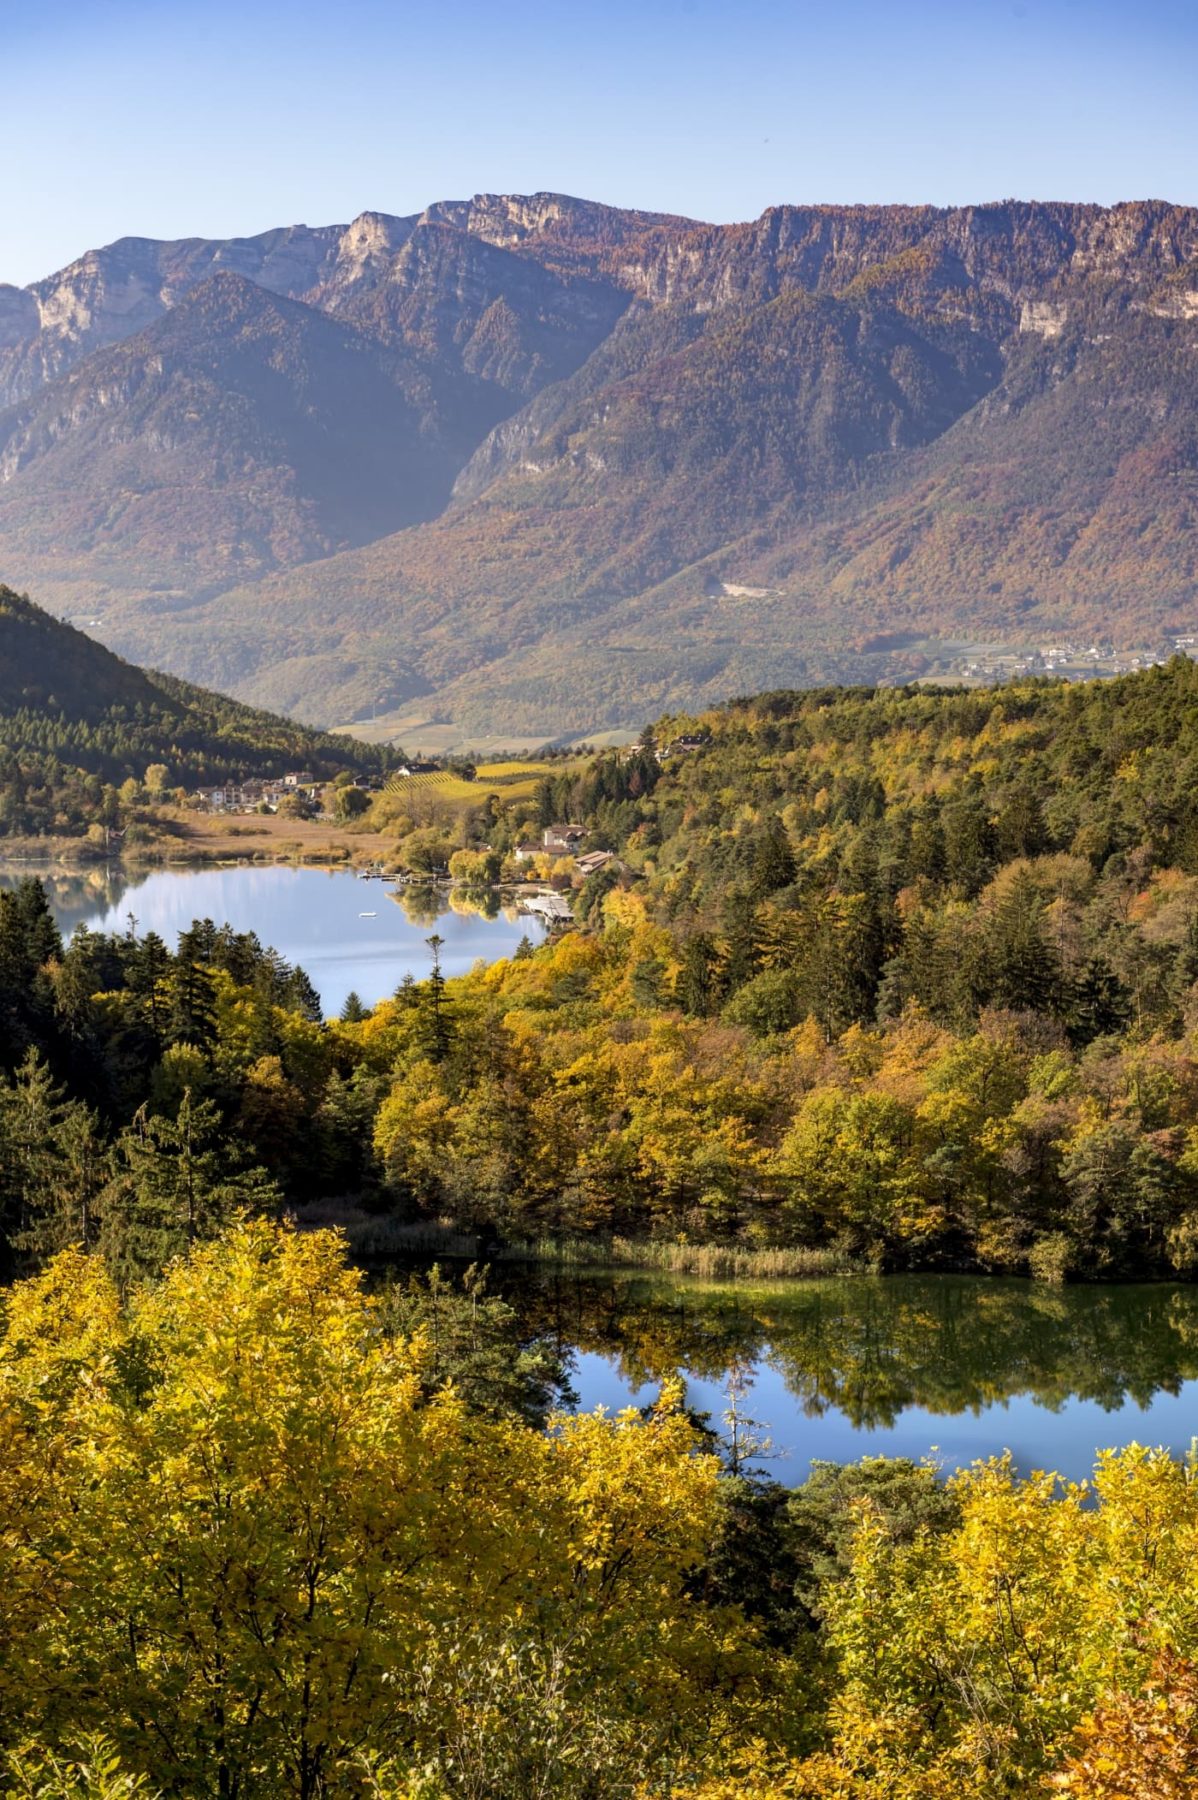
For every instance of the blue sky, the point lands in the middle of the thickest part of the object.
(186, 118)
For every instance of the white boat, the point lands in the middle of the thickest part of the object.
(373, 915)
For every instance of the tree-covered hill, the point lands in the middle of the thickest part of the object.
(75, 718)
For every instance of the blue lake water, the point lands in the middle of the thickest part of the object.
(312, 917)
(953, 1367)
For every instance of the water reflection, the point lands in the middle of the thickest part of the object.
(346, 933)
(76, 895)
(420, 905)
(845, 1367)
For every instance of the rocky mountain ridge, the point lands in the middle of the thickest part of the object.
(524, 452)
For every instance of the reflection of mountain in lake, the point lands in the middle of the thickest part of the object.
(872, 1347)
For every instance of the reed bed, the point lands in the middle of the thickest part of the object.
(376, 1238)
(717, 1262)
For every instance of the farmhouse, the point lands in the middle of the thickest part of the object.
(562, 840)
(684, 745)
(594, 860)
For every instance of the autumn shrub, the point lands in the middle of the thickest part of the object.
(245, 1540)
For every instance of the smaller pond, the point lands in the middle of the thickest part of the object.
(837, 1368)
(312, 917)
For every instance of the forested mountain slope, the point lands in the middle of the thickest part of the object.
(75, 719)
(565, 440)
(909, 978)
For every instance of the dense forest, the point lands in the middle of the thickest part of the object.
(76, 723)
(902, 978)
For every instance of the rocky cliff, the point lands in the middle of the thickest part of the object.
(530, 457)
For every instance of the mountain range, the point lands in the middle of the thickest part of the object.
(532, 466)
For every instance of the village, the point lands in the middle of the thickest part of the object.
(1063, 659)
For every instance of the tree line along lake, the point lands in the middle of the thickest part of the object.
(346, 933)
(831, 1368)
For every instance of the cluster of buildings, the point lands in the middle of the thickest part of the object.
(683, 745)
(249, 796)
(566, 840)
(1071, 660)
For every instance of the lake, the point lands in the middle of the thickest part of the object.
(832, 1368)
(312, 917)
(902, 1365)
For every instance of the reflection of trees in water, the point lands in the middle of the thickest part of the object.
(474, 903)
(420, 905)
(872, 1346)
(74, 895)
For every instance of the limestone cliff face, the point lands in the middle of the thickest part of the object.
(985, 264)
(18, 318)
(109, 294)
(539, 407)
(985, 259)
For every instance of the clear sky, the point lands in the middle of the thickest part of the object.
(171, 118)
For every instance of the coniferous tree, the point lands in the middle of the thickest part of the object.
(175, 1183)
(68, 1209)
(1026, 970)
(773, 859)
(31, 1112)
(191, 1018)
(698, 978)
(436, 1017)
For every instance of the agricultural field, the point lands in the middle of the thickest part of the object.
(513, 779)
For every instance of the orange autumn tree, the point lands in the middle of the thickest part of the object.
(1139, 1746)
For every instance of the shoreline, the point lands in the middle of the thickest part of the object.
(377, 1240)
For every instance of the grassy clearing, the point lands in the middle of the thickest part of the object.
(194, 836)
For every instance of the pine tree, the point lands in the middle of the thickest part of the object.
(1025, 968)
(773, 859)
(176, 1181)
(435, 1015)
(698, 978)
(68, 1209)
(743, 945)
(31, 1110)
(191, 1017)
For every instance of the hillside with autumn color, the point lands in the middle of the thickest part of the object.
(536, 466)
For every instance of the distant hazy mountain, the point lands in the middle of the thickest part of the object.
(540, 465)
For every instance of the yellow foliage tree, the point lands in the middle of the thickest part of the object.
(239, 1545)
